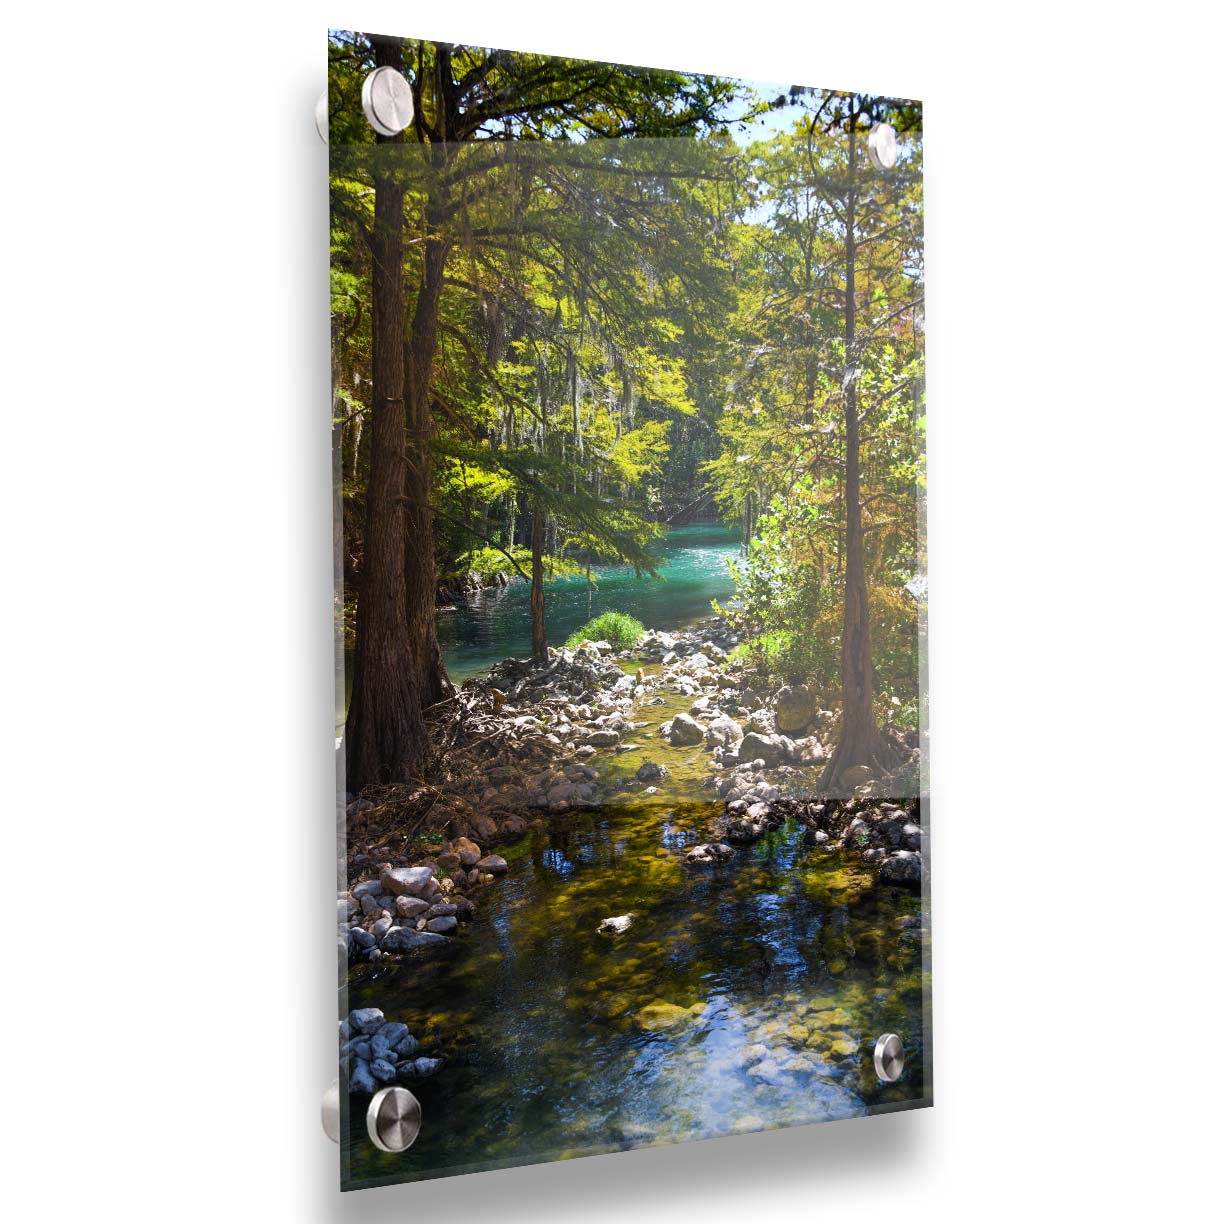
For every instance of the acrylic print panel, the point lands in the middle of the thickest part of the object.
(628, 400)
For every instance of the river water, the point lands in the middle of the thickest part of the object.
(745, 995)
(497, 622)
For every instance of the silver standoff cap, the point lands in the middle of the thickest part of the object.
(889, 1057)
(882, 146)
(386, 98)
(393, 1120)
(321, 116)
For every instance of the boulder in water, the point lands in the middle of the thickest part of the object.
(652, 771)
(743, 832)
(761, 813)
(724, 732)
(616, 926)
(902, 867)
(755, 746)
(685, 730)
(714, 852)
(415, 943)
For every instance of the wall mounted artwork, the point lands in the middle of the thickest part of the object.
(628, 416)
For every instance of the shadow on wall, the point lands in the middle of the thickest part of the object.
(654, 1182)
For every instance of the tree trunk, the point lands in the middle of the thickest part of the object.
(861, 742)
(511, 524)
(539, 643)
(420, 569)
(384, 731)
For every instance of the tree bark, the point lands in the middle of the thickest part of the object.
(384, 731)
(421, 349)
(861, 742)
(539, 643)
(419, 565)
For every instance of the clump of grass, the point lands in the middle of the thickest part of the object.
(619, 629)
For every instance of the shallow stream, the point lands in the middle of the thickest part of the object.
(745, 995)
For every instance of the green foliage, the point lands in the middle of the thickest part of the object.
(764, 654)
(781, 464)
(625, 321)
(789, 603)
(485, 563)
(620, 629)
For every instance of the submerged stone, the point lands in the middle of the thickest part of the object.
(659, 1014)
(404, 940)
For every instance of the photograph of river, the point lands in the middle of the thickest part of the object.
(629, 418)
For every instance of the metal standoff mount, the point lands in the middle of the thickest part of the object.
(386, 98)
(331, 1112)
(321, 122)
(882, 146)
(393, 1120)
(889, 1057)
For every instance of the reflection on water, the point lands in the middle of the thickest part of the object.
(496, 622)
(745, 995)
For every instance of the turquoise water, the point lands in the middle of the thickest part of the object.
(497, 622)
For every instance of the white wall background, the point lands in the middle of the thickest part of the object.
(167, 712)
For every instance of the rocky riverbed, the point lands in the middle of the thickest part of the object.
(567, 730)
(375, 1052)
(413, 910)
(673, 721)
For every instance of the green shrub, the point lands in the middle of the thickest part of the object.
(617, 628)
(765, 654)
(789, 609)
